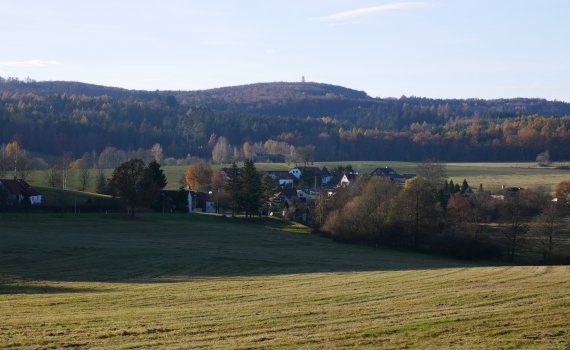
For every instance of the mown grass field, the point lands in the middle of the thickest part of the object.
(178, 282)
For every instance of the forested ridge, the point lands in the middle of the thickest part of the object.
(341, 124)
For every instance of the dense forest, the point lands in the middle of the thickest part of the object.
(332, 122)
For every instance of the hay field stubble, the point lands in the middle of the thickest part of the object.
(204, 282)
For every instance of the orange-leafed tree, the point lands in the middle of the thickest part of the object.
(563, 193)
(198, 176)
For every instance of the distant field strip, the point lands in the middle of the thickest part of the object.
(209, 283)
(491, 175)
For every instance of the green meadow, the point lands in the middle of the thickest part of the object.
(491, 175)
(201, 281)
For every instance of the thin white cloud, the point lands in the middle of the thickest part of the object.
(28, 64)
(376, 10)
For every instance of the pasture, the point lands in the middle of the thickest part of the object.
(201, 281)
(491, 175)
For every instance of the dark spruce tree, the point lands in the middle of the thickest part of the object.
(268, 187)
(251, 190)
(153, 182)
(233, 187)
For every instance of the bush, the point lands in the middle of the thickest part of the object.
(465, 248)
(561, 258)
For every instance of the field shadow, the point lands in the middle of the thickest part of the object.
(22, 288)
(162, 250)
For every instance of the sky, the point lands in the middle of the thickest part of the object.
(431, 48)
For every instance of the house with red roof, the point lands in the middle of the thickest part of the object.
(18, 190)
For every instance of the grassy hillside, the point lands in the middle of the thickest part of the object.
(207, 282)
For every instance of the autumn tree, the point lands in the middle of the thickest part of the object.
(84, 176)
(306, 154)
(543, 158)
(433, 173)
(219, 194)
(218, 181)
(127, 183)
(365, 217)
(198, 176)
(101, 183)
(65, 162)
(247, 150)
(222, 151)
(157, 153)
(17, 160)
(513, 211)
(417, 210)
(562, 194)
(136, 184)
(53, 176)
(458, 214)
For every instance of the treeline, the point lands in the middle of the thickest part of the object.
(341, 124)
(431, 215)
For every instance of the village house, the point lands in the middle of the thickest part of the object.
(289, 196)
(325, 175)
(506, 191)
(283, 177)
(347, 179)
(18, 190)
(392, 175)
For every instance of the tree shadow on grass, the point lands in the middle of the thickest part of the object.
(162, 249)
(22, 288)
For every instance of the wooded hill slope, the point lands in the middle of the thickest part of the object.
(342, 124)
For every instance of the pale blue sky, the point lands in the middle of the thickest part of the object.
(432, 48)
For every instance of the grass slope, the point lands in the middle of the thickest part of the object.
(206, 282)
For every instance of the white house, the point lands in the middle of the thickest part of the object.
(347, 179)
(326, 176)
(284, 178)
(296, 172)
(302, 194)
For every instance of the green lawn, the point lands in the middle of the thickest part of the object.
(200, 281)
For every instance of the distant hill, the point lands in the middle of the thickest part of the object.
(54, 117)
(72, 88)
(293, 99)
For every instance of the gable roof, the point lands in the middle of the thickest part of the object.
(281, 174)
(288, 192)
(386, 171)
(350, 176)
(19, 188)
(314, 169)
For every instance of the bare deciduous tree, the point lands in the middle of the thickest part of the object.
(546, 229)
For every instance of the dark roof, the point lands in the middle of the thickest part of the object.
(287, 192)
(19, 187)
(386, 171)
(351, 176)
(281, 174)
(315, 169)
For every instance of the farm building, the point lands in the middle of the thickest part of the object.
(18, 190)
